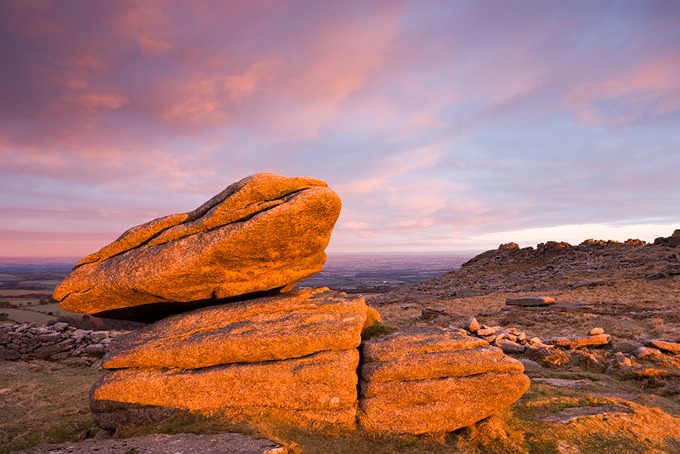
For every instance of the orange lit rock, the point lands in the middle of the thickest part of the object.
(263, 233)
(434, 380)
(441, 405)
(272, 328)
(315, 389)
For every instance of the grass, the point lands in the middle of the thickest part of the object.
(42, 402)
(27, 316)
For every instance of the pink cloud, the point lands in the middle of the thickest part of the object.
(653, 88)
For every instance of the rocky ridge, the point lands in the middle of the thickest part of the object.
(550, 266)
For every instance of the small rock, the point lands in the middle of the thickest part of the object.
(472, 325)
(648, 353)
(60, 326)
(577, 342)
(95, 350)
(588, 283)
(484, 332)
(509, 346)
(98, 336)
(672, 347)
(569, 414)
(595, 331)
(530, 301)
(535, 341)
(627, 346)
(623, 360)
(530, 365)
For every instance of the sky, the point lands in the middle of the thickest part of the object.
(443, 125)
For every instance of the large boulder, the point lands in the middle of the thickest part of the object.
(292, 358)
(432, 380)
(265, 329)
(264, 233)
(318, 389)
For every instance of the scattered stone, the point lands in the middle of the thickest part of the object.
(428, 313)
(60, 326)
(530, 366)
(672, 347)
(626, 346)
(589, 283)
(547, 354)
(648, 353)
(530, 301)
(483, 332)
(622, 360)
(263, 233)
(596, 331)
(472, 325)
(510, 347)
(578, 342)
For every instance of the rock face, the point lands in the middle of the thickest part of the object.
(292, 357)
(318, 389)
(266, 329)
(263, 233)
(434, 380)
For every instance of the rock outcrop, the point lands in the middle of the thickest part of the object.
(434, 380)
(672, 241)
(292, 357)
(550, 266)
(263, 233)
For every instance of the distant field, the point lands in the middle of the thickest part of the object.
(22, 316)
(20, 292)
(54, 308)
(9, 277)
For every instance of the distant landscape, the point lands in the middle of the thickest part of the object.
(26, 284)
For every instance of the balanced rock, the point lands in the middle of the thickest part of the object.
(434, 380)
(263, 233)
(290, 357)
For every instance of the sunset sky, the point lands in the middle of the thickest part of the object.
(443, 126)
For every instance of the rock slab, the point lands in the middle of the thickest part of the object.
(287, 326)
(530, 301)
(319, 388)
(263, 233)
(433, 380)
(291, 358)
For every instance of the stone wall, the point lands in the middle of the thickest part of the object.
(55, 342)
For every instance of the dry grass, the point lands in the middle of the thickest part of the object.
(24, 316)
(43, 402)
